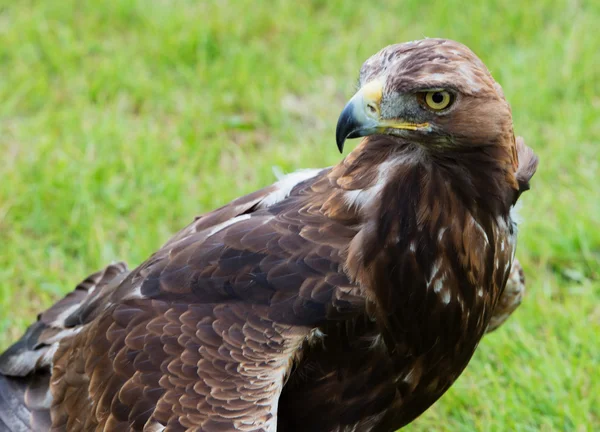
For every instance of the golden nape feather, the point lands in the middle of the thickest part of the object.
(337, 299)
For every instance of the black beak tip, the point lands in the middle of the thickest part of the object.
(345, 126)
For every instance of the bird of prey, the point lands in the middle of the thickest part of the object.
(348, 298)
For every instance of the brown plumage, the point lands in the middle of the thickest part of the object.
(511, 297)
(342, 299)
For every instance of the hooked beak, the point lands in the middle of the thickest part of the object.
(362, 116)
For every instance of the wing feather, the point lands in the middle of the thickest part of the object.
(238, 290)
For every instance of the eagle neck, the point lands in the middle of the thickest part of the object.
(431, 231)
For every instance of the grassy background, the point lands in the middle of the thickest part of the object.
(121, 120)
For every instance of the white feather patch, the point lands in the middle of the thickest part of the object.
(445, 296)
(286, 184)
(63, 334)
(153, 426)
(60, 318)
(438, 285)
(515, 213)
(227, 223)
(365, 198)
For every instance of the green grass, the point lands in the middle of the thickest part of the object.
(121, 120)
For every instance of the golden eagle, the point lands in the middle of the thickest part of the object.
(348, 298)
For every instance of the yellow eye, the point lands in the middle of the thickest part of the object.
(438, 100)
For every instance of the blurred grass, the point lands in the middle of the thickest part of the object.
(121, 120)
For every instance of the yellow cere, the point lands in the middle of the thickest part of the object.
(373, 91)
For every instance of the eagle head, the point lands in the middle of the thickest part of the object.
(433, 92)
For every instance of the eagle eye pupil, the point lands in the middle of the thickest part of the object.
(436, 100)
(437, 97)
